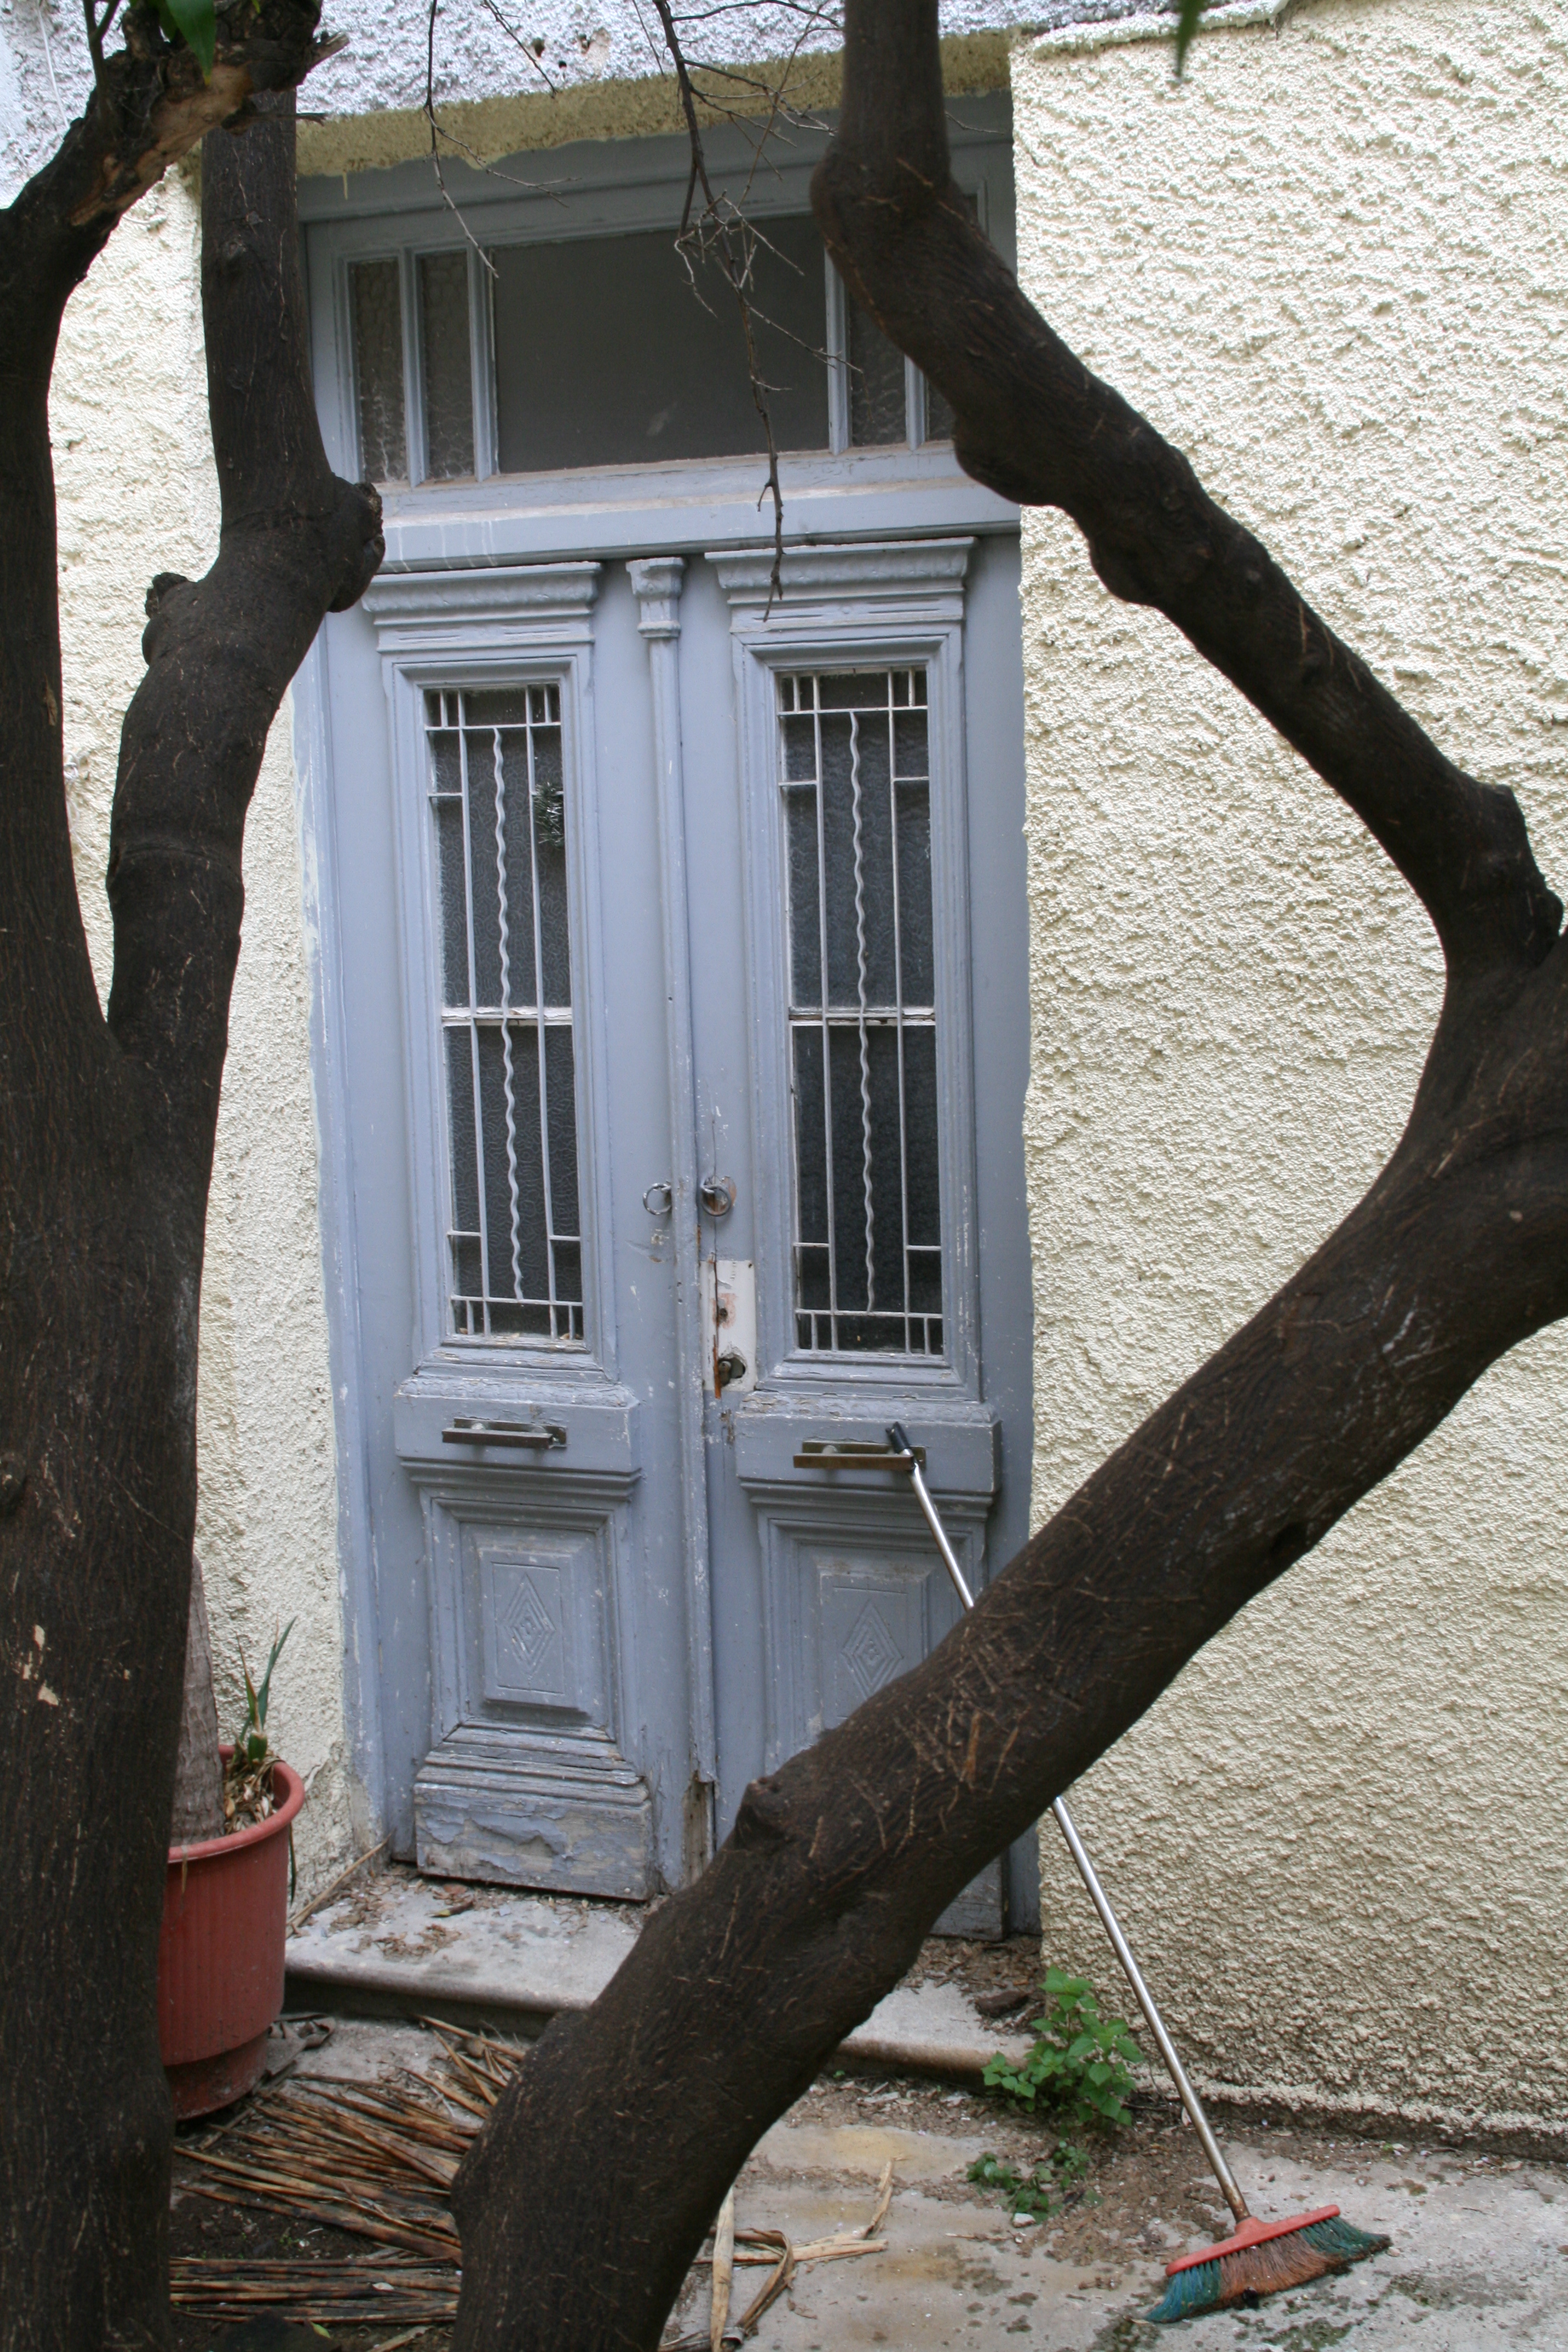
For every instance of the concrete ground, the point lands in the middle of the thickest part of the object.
(1478, 2260)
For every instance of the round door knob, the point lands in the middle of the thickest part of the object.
(717, 1195)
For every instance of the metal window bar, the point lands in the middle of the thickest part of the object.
(867, 1247)
(514, 1244)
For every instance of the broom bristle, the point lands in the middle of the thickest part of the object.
(1294, 2259)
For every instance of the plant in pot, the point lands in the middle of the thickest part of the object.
(225, 1898)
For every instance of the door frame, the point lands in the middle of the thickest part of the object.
(440, 539)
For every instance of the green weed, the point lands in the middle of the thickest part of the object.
(1078, 2066)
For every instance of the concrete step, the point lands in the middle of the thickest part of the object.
(397, 1945)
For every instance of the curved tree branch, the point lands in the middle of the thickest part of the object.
(584, 2204)
(295, 541)
(586, 2201)
(106, 1141)
(1036, 425)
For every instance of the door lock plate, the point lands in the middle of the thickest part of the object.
(729, 1323)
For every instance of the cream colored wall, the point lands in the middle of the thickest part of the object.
(137, 495)
(1333, 265)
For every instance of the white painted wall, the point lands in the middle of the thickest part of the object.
(137, 495)
(1333, 264)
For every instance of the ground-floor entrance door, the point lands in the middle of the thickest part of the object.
(674, 1029)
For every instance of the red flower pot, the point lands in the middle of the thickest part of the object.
(220, 1957)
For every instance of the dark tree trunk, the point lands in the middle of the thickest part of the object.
(106, 1141)
(584, 2203)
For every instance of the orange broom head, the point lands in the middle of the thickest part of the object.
(1263, 2258)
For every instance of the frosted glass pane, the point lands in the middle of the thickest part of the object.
(805, 898)
(519, 1249)
(878, 409)
(454, 887)
(917, 973)
(939, 415)
(550, 862)
(448, 369)
(378, 303)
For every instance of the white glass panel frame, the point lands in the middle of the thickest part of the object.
(481, 359)
(471, 664)
(836, 637)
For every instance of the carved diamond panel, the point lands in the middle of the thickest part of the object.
(871, 1654)
(871, 1627)
(527, 1629)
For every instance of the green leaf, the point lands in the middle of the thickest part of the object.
(196, 22)
(1186, 25)
(266, 1677)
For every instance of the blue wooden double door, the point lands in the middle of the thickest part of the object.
(673, 1021)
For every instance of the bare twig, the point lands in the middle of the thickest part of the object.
(429, 110)
(96, 26)
(306, 1910)
(733, 241)
(533, 50)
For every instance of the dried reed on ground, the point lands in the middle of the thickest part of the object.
(378, 2160)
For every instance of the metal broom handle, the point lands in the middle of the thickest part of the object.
(898, 1438)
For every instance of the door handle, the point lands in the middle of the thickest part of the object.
(717, 1195)
(659, 1199)
(856, 1453)
(538, 1436)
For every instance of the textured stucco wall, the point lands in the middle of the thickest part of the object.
(567, 69)
(600, 73)
(1333, 264)
(137, 495)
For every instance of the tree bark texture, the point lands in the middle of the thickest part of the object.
(196, 1812)
(107, 1128)
(586, 2200)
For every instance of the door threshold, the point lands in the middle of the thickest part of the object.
(503, 1960)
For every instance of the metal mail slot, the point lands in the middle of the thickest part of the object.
(538, 1436)
(853, 1453)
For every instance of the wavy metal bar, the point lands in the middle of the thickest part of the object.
(860, 970)
(506, 1023)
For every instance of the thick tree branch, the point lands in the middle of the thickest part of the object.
(584, 2205)
(587, 2199)
(295, 541)
(150, 106)
(1034, 424)
(106, 1139)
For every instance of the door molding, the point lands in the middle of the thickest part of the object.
(526, 1782)
(856, 605)
(656, 584)
(512, 625)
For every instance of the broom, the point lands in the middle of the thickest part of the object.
(1260, 2257)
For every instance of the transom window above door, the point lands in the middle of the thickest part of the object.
(611, 351)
